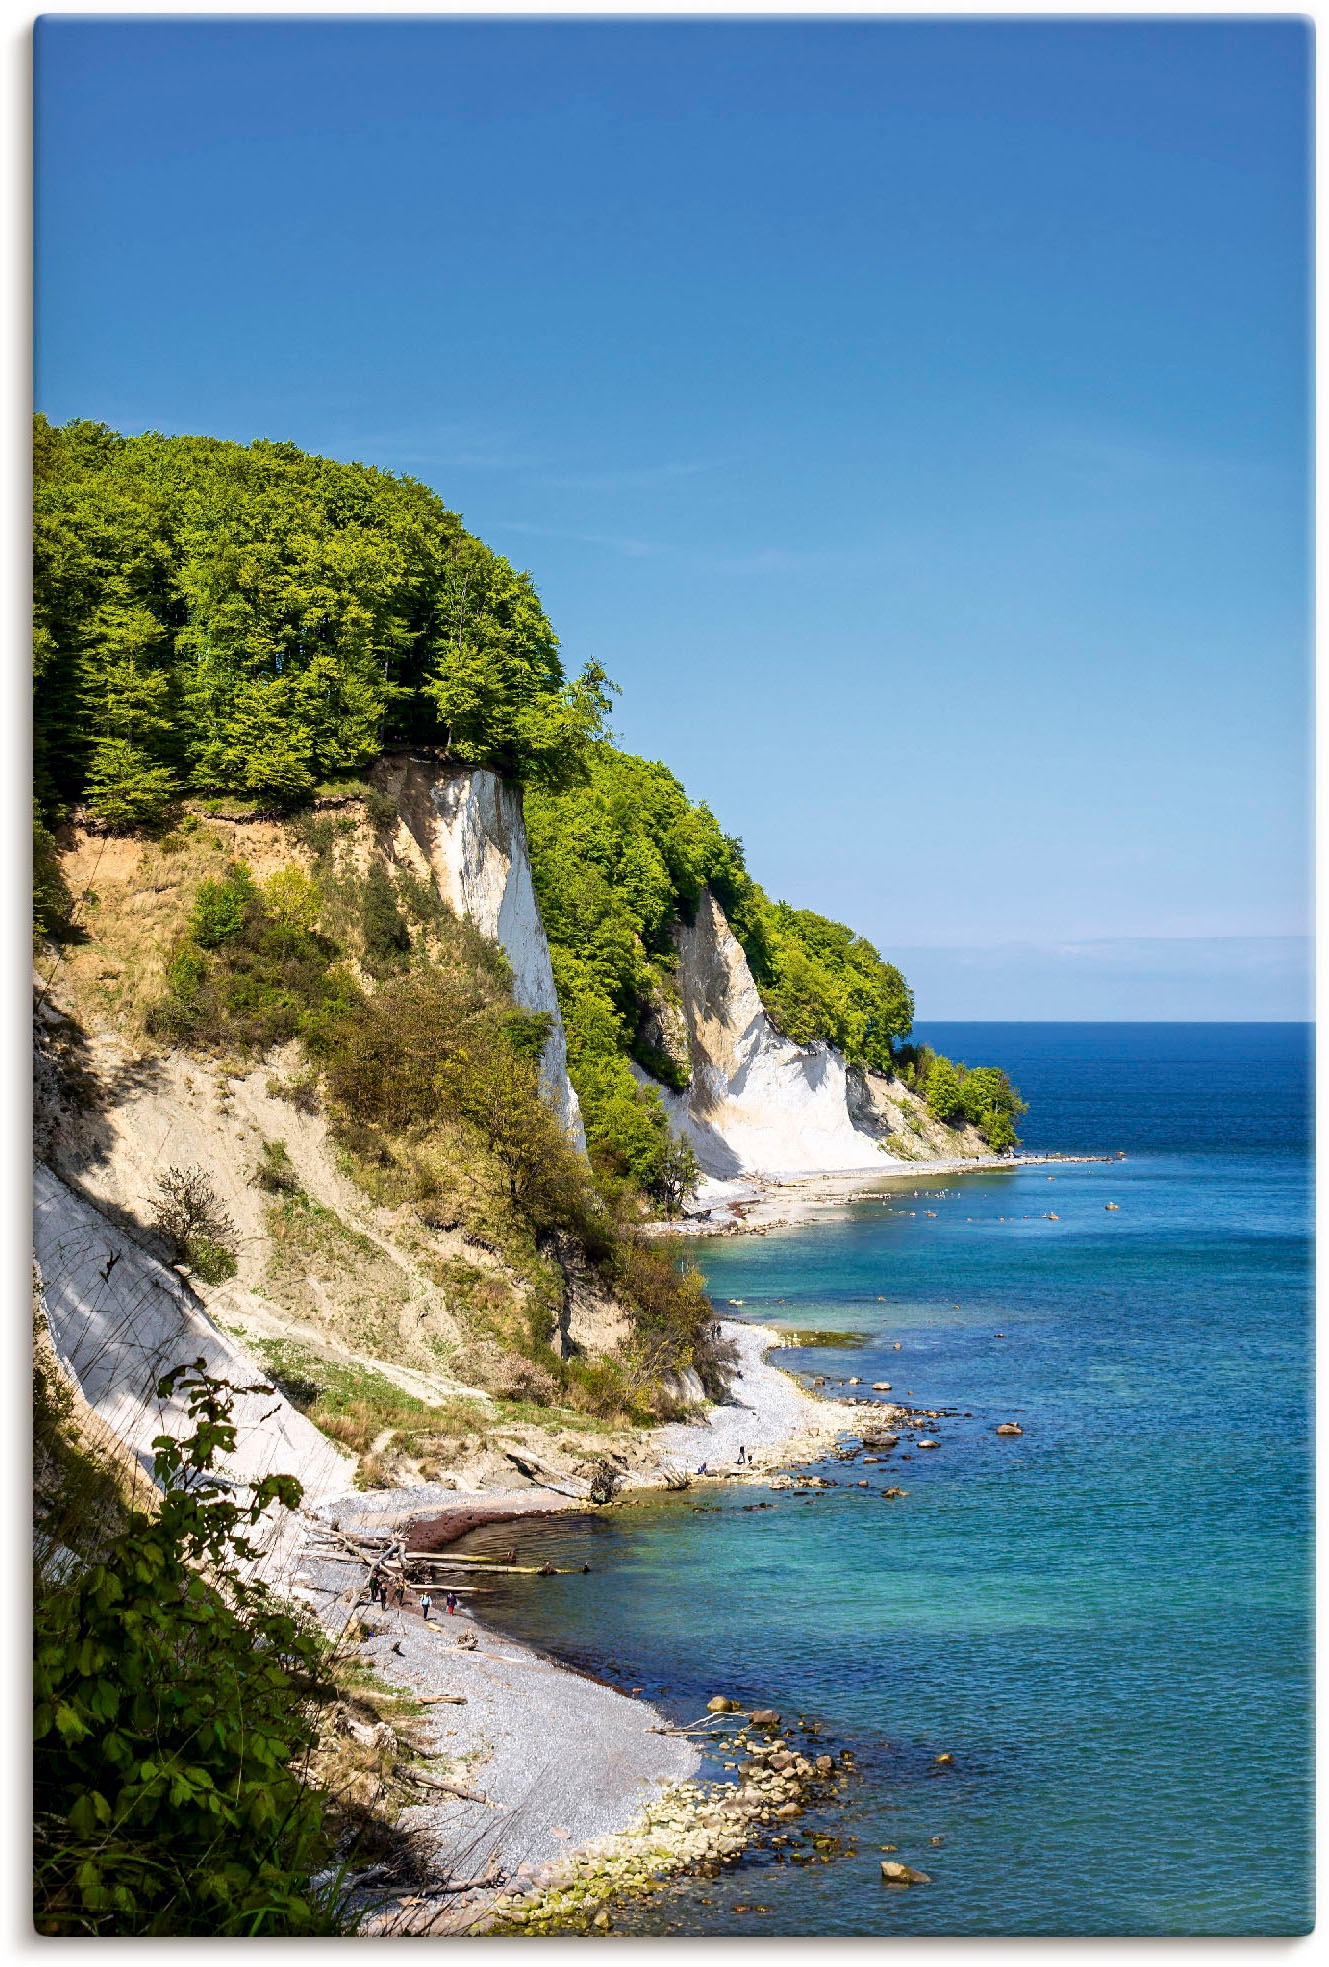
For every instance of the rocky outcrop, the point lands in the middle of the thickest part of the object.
(760, 1104)
(662, 1032)
(468, 825)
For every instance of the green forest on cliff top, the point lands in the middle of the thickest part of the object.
(252, 625)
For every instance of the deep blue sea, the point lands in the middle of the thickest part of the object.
(1106, 1622)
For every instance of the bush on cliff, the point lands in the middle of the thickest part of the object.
(983, 1095)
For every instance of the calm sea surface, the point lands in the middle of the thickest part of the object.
(1106, 1621)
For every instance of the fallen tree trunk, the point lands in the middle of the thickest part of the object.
(548, 1478)
(425, 1781)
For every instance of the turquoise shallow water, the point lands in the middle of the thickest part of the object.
(1106, 1621)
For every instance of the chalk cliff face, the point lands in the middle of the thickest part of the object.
(758, 1102)
(469, 827)
(761, 1104)
(120, 1320)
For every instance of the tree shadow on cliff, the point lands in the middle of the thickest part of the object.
(74, 1096)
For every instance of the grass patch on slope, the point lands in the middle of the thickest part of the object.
(355, 1406)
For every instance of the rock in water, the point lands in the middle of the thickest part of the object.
(929, 1444)
(1010, 1427)
(721, 1704)
(764, 1717)
(894, 1873)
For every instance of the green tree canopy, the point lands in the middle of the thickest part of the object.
(247, 619)
(943, 1091)
(982, 1094)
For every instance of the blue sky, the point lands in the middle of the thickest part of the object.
(910, 416)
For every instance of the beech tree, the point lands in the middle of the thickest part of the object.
(943, 1090)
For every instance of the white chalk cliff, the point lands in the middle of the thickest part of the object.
(758, 1103)
(120, 1321)
(469, 826)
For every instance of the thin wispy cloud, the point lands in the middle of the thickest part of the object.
(478, 449)
(472, 445)
(638, 478)
(1111, 460)
(615, 543)
(762, 561)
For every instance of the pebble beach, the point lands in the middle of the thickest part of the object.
(572, 1783)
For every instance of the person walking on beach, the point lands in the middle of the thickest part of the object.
(452, 1603)
(742, 1454)
(426, 1606)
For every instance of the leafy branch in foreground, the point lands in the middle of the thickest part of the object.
(175, 1704)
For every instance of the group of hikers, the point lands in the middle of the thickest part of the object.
(380, 1587)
